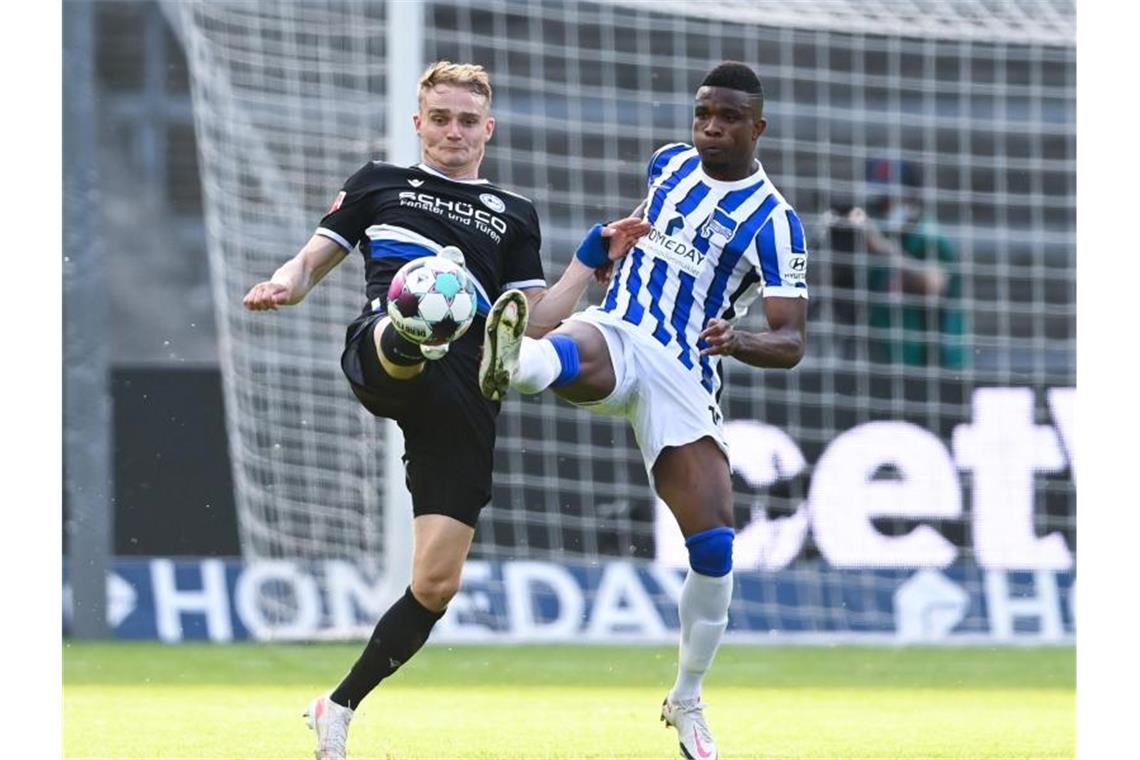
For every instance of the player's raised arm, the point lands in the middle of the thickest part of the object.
(781, 346)
(297, 276)
(600, 248)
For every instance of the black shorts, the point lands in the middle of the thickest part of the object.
(448, 426)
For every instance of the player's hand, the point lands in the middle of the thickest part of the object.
(722, 340)
(266, 296)
(623, 233)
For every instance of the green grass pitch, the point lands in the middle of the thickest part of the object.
(152, 701)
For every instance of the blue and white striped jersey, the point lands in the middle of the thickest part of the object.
(713, 247)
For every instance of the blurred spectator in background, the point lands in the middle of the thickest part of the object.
(910, 291)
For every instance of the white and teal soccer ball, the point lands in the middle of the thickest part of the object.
(432, 300)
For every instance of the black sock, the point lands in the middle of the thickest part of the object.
(399, 635)
(398, 349)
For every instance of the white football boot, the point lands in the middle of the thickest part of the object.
(693, 734)
(330, 721)
(506, 324)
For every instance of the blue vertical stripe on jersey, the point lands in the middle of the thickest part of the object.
(693, 198)
(615, 285)
(797, 230)
(658, 162)
(732, 252)
(706, 366)
(671, 182)
(724, 267)
(732, 201)
(656, 285)
(634, 311)
(702, 243)
(750, 278)
(715, 297)
(729, 258)
(681, 310)
(769, 256)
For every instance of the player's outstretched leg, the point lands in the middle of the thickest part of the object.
(506, 324)
(330, 721)
(573, 360)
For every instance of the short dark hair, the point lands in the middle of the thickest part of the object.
(735, 76)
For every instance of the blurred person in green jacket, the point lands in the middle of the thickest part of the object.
(914, 305)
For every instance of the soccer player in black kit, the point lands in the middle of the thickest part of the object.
(394, 214)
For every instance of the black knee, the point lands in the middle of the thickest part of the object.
(398, 349)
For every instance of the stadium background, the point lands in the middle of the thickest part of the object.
(991, 120)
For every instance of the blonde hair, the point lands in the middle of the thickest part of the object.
(469, 75)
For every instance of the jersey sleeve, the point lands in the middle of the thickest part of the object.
(782, 255)
(350, 213)
(522, 267)
(660, 158)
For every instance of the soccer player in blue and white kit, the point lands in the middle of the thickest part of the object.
(651, 352)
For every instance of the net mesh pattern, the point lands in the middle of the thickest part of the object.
(978, 98)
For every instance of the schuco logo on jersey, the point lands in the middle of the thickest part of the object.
(458, 211)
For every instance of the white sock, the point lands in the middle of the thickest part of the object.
(704, 616)
(539, 366)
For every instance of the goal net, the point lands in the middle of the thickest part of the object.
(920, 454)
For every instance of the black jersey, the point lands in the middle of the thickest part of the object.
(394, 214)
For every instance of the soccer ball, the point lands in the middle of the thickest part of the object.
(431, 301)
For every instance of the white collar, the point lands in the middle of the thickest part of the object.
(432, 170)
(735, 184)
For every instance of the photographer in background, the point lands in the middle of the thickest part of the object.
(908, 294)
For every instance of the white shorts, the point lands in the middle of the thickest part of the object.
(664, 403)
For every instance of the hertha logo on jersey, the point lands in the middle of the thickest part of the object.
(718, 228)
